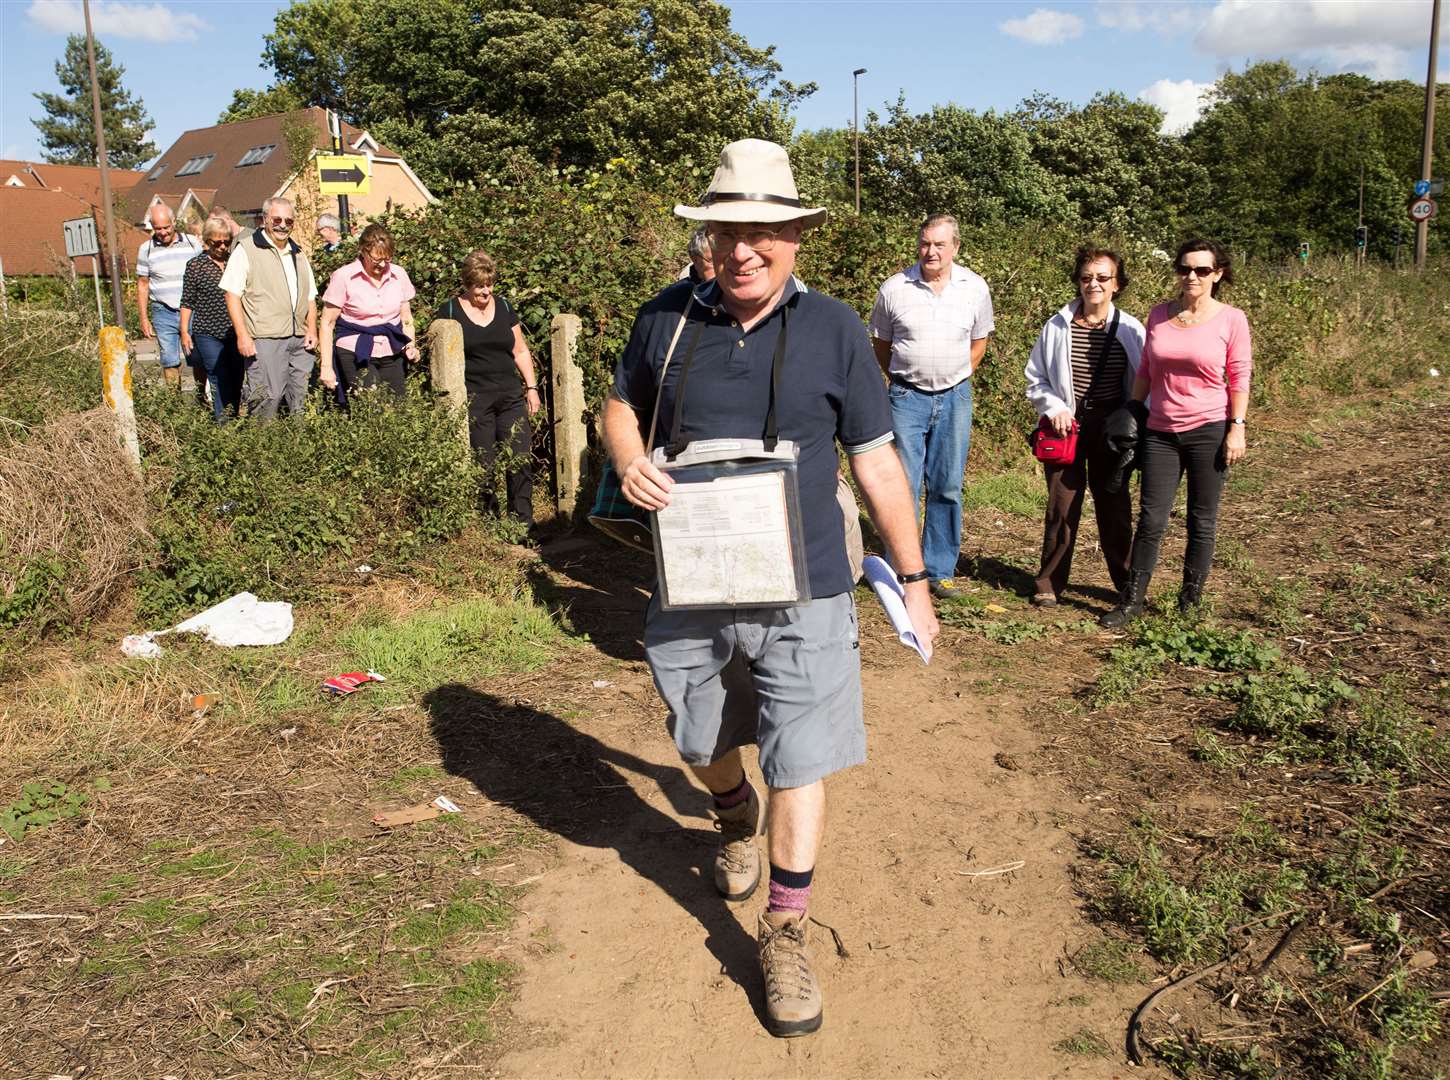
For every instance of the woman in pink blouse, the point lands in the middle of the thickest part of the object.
(1196, 366)
(367, 320)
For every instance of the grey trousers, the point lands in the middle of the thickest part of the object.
(278, 372)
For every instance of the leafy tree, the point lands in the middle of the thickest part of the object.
(67, 132)
(248, 104)
(1118, 172)
(455, 84)
(977, 166)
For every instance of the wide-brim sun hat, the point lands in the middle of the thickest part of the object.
(753, 182)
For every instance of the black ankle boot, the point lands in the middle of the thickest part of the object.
(1190, 595)
(1130, 603)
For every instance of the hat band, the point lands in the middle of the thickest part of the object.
(712, 197)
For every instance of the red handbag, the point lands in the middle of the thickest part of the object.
(1050, 448)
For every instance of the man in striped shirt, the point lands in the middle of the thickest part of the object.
(160, 266)
(929, 328)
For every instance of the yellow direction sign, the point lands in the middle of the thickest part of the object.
(343, 174)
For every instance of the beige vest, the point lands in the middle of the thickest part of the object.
(266, 303)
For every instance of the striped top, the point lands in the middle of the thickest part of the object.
(1098, 371)
(165, 266)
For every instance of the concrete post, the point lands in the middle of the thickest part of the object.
(445, 361)
(116, 389)
(571, 437)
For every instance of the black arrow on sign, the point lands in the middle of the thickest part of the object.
(353, 175)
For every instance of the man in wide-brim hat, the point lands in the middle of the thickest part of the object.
(786, 679)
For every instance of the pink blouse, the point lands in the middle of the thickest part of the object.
(1191, 369)
(367, 302)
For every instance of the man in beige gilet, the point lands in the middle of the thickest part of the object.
(272, 300)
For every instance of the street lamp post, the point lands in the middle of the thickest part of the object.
(107, 211)
(1422, 229)
(856, 129)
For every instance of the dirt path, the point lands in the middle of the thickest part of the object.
(637, 969)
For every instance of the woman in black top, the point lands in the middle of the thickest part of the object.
(207, 336)
(495, 360)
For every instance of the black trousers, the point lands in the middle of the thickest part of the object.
(501, 419)
(1066, 485)
(388, 370)
(1167, 456)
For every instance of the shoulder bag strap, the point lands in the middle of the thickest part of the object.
(660, 386)
(775, 365)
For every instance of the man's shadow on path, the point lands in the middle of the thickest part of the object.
(571, 784)
(602, 585)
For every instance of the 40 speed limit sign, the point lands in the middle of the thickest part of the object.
(1422, 208)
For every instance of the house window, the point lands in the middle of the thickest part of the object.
(257, 154)
(195, 165)
(156, 172)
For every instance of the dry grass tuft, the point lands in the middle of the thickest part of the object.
(67, 493)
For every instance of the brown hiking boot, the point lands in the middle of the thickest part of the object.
(737, 862)
(792, 998)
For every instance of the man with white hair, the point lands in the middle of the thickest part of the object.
(160, 265)
(764, 353)
(272, 301)
(329, 231)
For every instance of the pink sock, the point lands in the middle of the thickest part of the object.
(784, 898)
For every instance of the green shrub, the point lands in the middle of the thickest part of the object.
(270, 507)
(1289, 706)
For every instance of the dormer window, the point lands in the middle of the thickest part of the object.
(195, 165)
(257, 154)
(155, 174)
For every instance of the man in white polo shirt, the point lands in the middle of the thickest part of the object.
(160, 264)
(929, 327)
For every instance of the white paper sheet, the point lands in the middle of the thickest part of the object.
(892, 595)
(726, 542)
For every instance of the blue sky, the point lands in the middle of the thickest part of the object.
(184, 59)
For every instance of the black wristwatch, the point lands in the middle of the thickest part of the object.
(1237, 421)
(907, 579)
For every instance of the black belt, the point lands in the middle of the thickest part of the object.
(899, 381)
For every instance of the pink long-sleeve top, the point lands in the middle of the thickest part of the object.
(1192, 369)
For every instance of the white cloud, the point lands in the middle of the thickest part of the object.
(1044, 27)
(1181, 102)
(153, 22)
(1134, 15)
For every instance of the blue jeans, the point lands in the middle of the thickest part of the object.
(219, 358)
(167, 324)
(933, 432)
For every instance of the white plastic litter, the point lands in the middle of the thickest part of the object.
(238, 620)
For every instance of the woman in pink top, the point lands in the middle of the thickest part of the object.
(1196, 366)
(367, 320)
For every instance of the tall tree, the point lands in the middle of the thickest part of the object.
(455, 85)
(248, 104)
(67, 133)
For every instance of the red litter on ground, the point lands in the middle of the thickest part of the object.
(351, 682)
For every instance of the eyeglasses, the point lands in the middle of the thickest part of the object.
(1201, 271)
(221, 242)
(758, 240)
(283, 221)
(1101, 279)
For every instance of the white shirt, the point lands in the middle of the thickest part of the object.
(931, 336)
(165, 266)
(234, 278)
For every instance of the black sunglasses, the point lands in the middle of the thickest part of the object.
(1201, 271)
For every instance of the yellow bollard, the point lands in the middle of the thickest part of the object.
(445, 360)
(116, 389)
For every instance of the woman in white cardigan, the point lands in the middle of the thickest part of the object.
(1080, 371)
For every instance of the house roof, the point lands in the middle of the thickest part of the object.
(83, 181)
(33, 239)
(240, 188)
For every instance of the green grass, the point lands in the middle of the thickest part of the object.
(1013, 492)
(469, 639)
(1084, 1043)
(1111, 960)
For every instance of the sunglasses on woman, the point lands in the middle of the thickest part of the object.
(1101, 279)
(1200, 271)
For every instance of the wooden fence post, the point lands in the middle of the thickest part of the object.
(445, 361)
(116, 389)
(571, 438)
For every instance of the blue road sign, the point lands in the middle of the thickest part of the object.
(1422, 187)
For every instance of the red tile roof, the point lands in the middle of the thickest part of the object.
(240, 188)
(83, 181)
(33, 238)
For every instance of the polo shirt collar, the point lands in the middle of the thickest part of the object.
(709, 294)
(913, 273)
(263, 241)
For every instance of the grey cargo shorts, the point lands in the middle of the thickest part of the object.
(786, 679)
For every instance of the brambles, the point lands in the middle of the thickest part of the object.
(42, 803)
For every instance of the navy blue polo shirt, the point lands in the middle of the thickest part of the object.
(831, 390)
